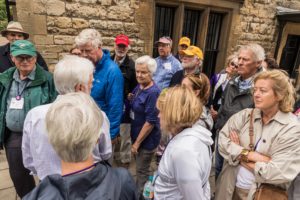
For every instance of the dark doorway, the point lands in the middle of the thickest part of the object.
(290, 58)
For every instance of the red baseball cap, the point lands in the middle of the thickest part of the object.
(122, 39)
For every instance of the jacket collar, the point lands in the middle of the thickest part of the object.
(105, 56)
(281, 117)
(125, 62)
(6, 49)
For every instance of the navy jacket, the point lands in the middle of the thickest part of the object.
(102, 182)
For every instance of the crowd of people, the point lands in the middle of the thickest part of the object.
(79, 129)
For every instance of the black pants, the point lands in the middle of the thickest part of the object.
(20, 176)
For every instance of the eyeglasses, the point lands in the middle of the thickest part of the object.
(23, 58)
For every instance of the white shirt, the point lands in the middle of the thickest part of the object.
(38, 154)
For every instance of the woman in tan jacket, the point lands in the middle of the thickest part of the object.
(275, 155)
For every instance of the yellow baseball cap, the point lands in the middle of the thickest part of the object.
(185, 41)
(193, 51)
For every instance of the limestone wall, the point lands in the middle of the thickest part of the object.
(53, 24)
(257, 23)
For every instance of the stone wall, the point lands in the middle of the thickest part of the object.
(257, 23)
(54, 24)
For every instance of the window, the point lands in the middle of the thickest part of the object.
(191, 24)
(212, 43)
(164, 21)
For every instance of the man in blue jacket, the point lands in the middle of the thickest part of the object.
(108, 83)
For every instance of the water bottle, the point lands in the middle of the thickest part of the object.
(148, 192)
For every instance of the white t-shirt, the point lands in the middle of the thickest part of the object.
(245, 178)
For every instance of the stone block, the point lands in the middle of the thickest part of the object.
(82, 11)
(39, 6)
(43, 39)
(107, 41)
(50, 48)
(98, 24)
(50, 55)
(62, 31)
(55, 7)
(131, 27)
(105, 2)
(79, 23)
(64, 39)
(85, 1)
(120, 13)
(9, 193)
(63, 22)
(113, 25)
(40, 26)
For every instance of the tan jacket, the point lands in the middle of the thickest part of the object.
(280, 140)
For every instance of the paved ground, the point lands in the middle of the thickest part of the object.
(7, 190)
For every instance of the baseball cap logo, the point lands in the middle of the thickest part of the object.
(22, 46)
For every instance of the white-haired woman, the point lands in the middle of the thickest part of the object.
(78, 120)
(261, 146)
(145, 130)
(183, 171)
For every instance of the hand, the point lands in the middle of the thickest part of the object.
(115, 140)
(135, 147)
(130, 96)
(234, 137)
(258, 157)
(214, 113)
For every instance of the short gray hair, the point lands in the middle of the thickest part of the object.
(70, 71)
(73, 124)
(150, 62)
(89, 35)
(256, 49)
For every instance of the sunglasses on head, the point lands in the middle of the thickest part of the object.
(234, 65)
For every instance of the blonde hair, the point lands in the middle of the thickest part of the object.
(232, 58)
(200, 82)
(282, 88)
(73, 124)
(179, 108)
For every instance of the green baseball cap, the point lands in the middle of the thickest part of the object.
(22, 47)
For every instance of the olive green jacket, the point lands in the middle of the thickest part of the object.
(40, 91)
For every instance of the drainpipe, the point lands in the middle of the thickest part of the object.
(9, 17)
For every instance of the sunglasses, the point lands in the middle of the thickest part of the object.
(234, 65)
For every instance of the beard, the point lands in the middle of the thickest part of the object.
(120, 54)
(189, 65)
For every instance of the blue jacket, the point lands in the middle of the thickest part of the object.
(107, 91)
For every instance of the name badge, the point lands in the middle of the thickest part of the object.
(16, 104)
(168, 66)
(131, 114)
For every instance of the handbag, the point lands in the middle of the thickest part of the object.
(265, 191)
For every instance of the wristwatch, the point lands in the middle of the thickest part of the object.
(244, 155)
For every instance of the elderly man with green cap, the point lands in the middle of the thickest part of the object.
(14, 31)
(22, 88)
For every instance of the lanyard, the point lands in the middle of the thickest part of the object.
(19, 93)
